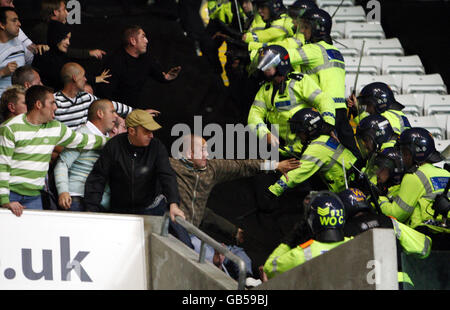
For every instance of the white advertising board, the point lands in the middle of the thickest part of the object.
(56, 250)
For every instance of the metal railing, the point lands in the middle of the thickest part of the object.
(205, 239)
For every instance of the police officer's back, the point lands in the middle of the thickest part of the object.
(325, 220)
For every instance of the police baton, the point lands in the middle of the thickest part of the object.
(357, 76)
(340, 4)
(238, 15)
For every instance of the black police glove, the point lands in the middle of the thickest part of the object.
(269, 202)
(237, 43)
(353, 111)
(327, 129)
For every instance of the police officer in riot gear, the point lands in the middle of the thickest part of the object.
(278, 23)
(378, 98)
(325, 221)
(360, 217)
(281, 96)
(422, 183)
(373, 134)
(325, 64)
(321, 153)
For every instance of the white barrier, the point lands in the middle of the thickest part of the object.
(72, 250)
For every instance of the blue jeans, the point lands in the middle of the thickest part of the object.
(229, 266)
(30, 202)
(77, 204)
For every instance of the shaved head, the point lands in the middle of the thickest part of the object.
(100, 104)
(74, 76)
(69, 70)
(191, 143)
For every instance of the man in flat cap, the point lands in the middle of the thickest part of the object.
(136, 166)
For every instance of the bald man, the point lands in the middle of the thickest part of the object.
(197, 175)
(73, 101)
(73, 166)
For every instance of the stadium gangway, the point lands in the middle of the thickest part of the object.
(205, 239)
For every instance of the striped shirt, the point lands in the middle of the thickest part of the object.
(74, 112)
(25, 153)
(26, 42)
(13, 50)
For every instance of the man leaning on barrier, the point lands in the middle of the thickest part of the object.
(136, 166)
(197, 175)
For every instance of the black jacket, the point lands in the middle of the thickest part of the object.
(128, 76)
(136, 175)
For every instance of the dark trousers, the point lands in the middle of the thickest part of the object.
(175, 229)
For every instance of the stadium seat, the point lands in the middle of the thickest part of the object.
(436, 104)
(363, 31)
(365, 79)
(426, 84)
(337, 30)
(324, 3)
(441, 145)
(369, 65)
(383, 47)
(435, 124)
(402, 65)
(349, 83)
(347, 47)
(413, 104)
(347, 14)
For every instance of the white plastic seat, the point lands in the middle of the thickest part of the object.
(402, 65)
(347, 13)
(441, 145)
(347, 47)
(435, 124)
(368, 65)
(426, 84)
(349, 84)
(337, 30)
(365, 79)
(436, 104)
(324, 3)
(383, 47)
(413, 104)
(364, 31)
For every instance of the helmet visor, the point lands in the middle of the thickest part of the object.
(366, 145)
(296, 13)
(268, 59)
(366, 100)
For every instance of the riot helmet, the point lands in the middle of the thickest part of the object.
(354, 201)
(326, 217)
(276, 8)
(380, 96)
(320, 23)
(371, 132)
(389, 160)
(307, 121)
(274, 56)
(420, 144)
(299, 7)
